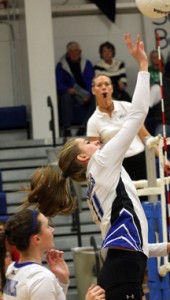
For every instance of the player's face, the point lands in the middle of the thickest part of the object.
(46, 234)
(87, 149)
(103, 90)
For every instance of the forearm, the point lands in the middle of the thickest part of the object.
(158, 249)
(143, 134)
(65, 287)
(142, 92)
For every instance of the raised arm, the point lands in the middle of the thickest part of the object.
(139, 108)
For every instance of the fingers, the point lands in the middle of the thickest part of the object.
(96, 289)
(130, 44)
(91, 287)
(133, 47)
(138, 40)
(137, 51)
(128, 40)
(54, 255)
(95, 292)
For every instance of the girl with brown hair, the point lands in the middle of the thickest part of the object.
(111, 195)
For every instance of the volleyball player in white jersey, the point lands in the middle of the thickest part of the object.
(111, 194)
(28, 279)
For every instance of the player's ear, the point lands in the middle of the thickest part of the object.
(36, 239)
(82, 157)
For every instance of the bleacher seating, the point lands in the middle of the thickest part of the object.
(14, 118)
(77, 117)
(78, 114)
(3, 207)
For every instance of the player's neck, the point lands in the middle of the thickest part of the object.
(108, 109)
(28, 257)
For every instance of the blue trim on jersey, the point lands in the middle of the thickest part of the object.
(18, 265)
(123, 233)
(98, 205)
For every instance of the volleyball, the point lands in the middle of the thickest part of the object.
(154, 9)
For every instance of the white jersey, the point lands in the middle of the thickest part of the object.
(31, 281)
(111, 195)
(102, 125)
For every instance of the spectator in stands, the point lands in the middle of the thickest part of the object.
(154, 67)
(30, 232)
(115, 69)
(74, 75)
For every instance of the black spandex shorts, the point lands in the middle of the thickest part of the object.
(122, 274)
